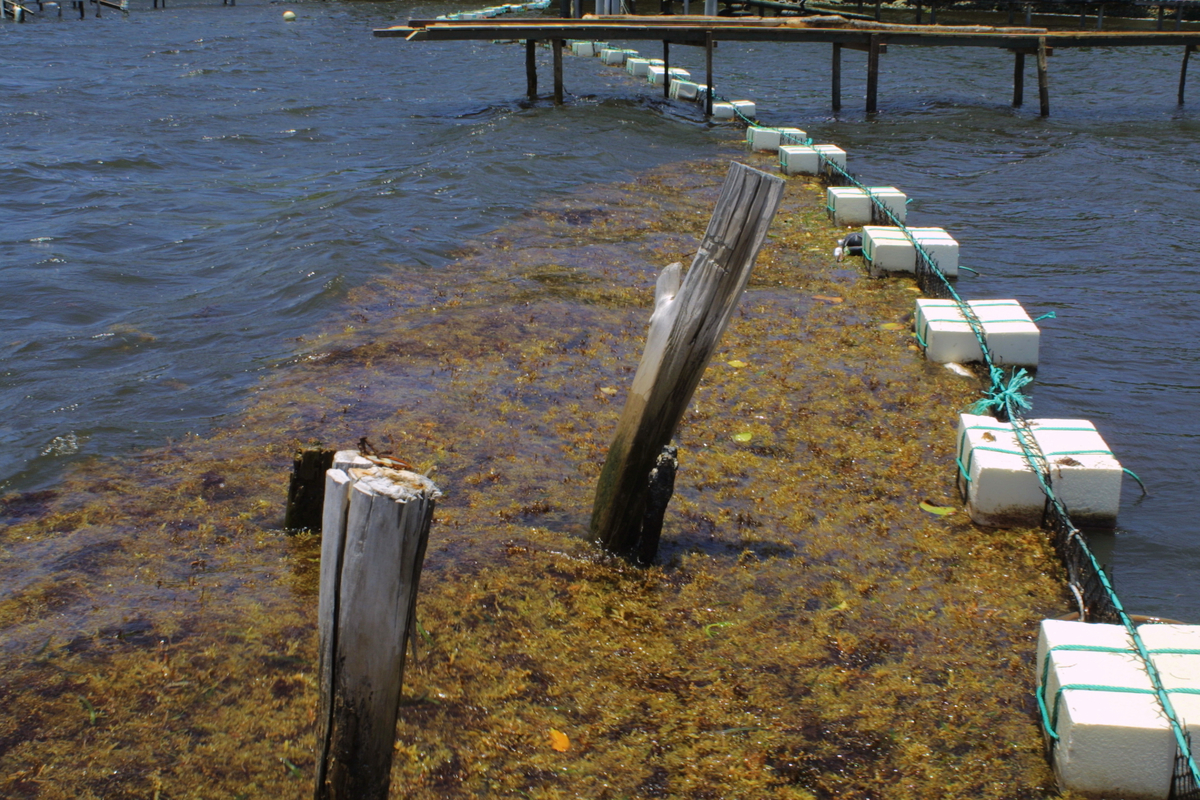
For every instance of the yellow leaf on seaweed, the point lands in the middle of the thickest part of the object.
(743, 437)
(941, 511)
(736, 364)
(891, 326)
(559, 741)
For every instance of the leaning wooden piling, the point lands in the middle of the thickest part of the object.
(690, 314)
(374, 531)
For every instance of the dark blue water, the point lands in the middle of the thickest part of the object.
(184, 192)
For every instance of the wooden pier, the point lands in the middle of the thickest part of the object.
(872, 37)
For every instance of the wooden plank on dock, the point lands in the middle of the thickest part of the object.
(683, 30)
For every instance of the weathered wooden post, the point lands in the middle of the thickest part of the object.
(556, 45)
(1018, 78)
(708, 76)
(531, 69)
(1187, 52)
(306, 491)
(374, 532)
(872, 72)
(1043, 77)
(690, 314)
(835, 75)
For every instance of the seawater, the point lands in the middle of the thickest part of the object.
(185, 192)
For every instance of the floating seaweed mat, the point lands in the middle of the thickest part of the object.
(811, 630)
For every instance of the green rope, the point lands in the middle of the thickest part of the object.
(1003, 396)
(1133, 475)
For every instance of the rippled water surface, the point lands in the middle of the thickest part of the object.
(184, 192)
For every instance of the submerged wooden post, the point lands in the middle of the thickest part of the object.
(306, 490)
(835, 73)
(531, 69)
(708, 76)
(1018, 79)
(1187, 53)
(1043, 77)
(690, 314)
(374, 532)
(557, 46)
(872, 72)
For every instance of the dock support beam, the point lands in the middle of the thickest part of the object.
(872, 72)
(1018, 79)
(1187, 53)
(531, 69)
(557, 46)
(835, 73)
(1043, 77)
(666, 69)
(708, 76)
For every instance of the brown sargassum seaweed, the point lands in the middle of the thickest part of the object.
(809, 633)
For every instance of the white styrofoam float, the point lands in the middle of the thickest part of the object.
(850, 205)
(657, 74)
(640, 67)
(1002, 489)
(1011, 336)
(770, 139)
(890, 250)
(940, 246)
(637, 66)
(615, 57)
(731, 109)
(1115, 743)
(799, 159)
(684, 90)
(588, 49)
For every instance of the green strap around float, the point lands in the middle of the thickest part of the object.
(1049, 713)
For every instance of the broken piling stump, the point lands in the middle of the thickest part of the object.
(374, 531)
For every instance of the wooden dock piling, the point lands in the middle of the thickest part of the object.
(1187, 53)
(872, 73)
(1018, 79)
(835, 75)
(557, 46)
(708, 74)
(666, 69)
(374, 532)
(690, 314)
(1043, 77)
(531, 70)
